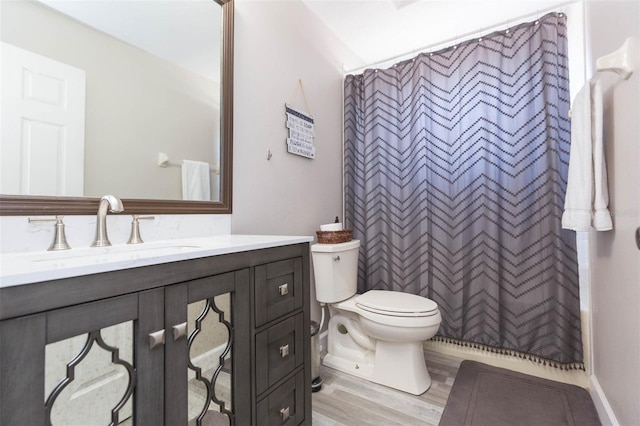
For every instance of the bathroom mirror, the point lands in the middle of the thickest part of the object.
(215, 125)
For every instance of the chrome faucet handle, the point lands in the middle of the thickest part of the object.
(59, 237)
(135, 238)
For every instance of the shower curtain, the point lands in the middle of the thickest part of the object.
(455, 174)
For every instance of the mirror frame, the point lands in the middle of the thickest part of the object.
(21, 205)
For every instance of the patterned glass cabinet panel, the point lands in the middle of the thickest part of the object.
(216, 305)
(90, 379)
(23, 349)
(156, 398)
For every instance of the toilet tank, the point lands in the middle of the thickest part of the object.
(335, 268)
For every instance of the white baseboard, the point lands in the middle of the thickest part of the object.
(607, 416)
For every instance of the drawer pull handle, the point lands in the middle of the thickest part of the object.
(179, 330)
(284, 413)
(284, 351)
(283, 289)
(156, 339)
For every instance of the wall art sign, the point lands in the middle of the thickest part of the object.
(301, 133)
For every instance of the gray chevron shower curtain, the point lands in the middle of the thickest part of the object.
(455, 174)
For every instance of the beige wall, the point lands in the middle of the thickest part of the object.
(277, 43)
(136, 104)
(615, 260)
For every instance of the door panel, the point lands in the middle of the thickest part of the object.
(42, 137)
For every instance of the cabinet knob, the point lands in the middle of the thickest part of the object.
(284, 413)
(283, 289)
(179, 330)
(336, 258)
(156, 339)
(284, 351)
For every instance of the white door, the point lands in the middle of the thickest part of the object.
(42, 136)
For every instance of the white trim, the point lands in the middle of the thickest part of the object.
(607, 416)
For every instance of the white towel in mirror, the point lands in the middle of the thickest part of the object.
(196, 181)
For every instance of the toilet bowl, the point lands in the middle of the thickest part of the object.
(377, 335)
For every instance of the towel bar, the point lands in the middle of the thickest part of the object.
(621, 61)
(163, 161)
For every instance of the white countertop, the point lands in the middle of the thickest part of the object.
(36, 266)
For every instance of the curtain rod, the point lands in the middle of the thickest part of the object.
(463, 37)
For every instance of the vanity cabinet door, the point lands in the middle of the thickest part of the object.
(207, 363)
(84, 364)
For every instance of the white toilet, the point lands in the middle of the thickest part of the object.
(377, 335)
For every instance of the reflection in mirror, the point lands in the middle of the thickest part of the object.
(95, 91)
(100, 391)
(210, 344)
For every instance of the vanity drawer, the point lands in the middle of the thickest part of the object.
(285, 405)
(279, 350)
(278, 289)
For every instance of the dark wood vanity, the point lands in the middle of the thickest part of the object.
(267, 321)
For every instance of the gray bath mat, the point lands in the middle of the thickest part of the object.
(486, 395)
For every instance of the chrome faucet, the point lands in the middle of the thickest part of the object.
(107, 203)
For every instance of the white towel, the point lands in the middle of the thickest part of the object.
(195, 180)
(587, 198)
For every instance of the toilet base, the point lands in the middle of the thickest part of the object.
(358, 369)
(399, 366)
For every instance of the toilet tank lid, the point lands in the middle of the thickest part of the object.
(396, 301)
(333, 248)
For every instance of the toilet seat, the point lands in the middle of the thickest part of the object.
(397, 304)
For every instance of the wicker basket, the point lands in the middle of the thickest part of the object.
(334, 237)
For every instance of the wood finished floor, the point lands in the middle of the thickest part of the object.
(348, 400)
